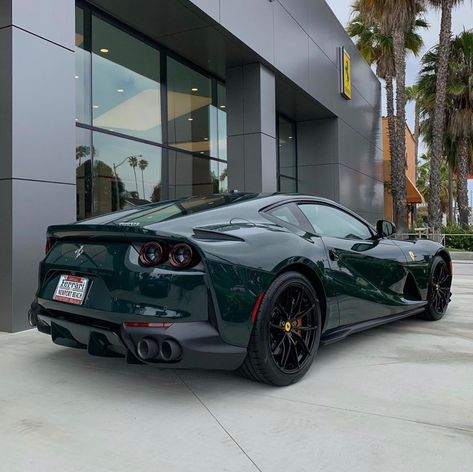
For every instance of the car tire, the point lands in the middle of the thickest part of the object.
(284, 340)
(438, 295)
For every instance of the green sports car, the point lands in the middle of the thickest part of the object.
(254, 282)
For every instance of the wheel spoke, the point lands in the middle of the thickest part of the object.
(287, 352)
(276, 326)
(294, 349)
(306, 328)
(302, 343)
(274, 351)
(297, 303)
(304, 313)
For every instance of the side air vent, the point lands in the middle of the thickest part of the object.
(411, 292)
(206, 234)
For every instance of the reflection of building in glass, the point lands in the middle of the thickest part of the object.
(121, 92)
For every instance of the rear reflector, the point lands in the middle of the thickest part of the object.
(138, 324)
(257, 305)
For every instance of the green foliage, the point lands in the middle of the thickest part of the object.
(462, 239)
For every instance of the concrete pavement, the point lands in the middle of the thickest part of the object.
(396, 398)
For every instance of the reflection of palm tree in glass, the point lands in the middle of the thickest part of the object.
(130, 159)
(81, 152)
(133, 160)
(143, 164)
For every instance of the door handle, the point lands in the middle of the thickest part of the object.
(333, 255)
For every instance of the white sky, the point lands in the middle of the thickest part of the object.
(462, 18)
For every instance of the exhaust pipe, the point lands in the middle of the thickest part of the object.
(147, 348)
(170, 350)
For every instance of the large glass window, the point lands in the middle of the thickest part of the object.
(122, 111)
(287, 155)
(192, 175)
(126, 173)
(84, 154)
(125, 83)
(82, 74)
(191, 116)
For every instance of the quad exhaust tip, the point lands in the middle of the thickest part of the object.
(170, 350)
(148, 348)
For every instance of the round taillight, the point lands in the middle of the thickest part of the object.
(151, 254)
(181, 256)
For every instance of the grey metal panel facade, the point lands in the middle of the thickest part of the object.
(252, 164)
(300, 40)
(38, 134)
(37, 166)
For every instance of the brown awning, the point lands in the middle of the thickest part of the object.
(413, 195)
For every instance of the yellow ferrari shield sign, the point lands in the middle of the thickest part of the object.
(345, 63)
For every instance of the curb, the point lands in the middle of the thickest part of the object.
(461, 256)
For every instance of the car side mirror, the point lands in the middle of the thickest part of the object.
(385, 228)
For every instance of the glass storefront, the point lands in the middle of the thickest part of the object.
(149, 126)
(287, 155)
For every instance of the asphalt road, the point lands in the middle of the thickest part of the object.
(396, 398)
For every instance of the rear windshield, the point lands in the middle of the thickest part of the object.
(187, 206)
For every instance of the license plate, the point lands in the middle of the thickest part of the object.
(71, 289)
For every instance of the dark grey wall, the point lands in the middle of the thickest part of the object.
(37, 141)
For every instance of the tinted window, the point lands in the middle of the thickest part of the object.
(330, 221)
(286, 214)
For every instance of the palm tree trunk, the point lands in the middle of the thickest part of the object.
(463, 157)
(391, 125)
(438, 126)
(143, 182)
(391, 117)
(136, 182)
(450, 194)
(398, 167)
(417, 130)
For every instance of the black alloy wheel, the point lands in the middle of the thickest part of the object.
(286, 332)
(293, 327)
(439, 293)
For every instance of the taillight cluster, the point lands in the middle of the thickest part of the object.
(180, 256)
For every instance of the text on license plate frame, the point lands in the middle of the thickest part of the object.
(71, 289)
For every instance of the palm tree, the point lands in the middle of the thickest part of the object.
(133, 160)
(460, 124)
(143, 164)
(374, 39)
(395, 18)
(458, 133)
(423, 181)
(438, 125)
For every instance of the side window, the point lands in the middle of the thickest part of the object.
(330, 221)
(286, 214)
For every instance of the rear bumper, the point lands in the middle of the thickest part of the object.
(199, 345)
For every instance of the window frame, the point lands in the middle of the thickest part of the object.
(305, 224)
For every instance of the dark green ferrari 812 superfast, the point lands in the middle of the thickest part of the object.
(254, 282)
